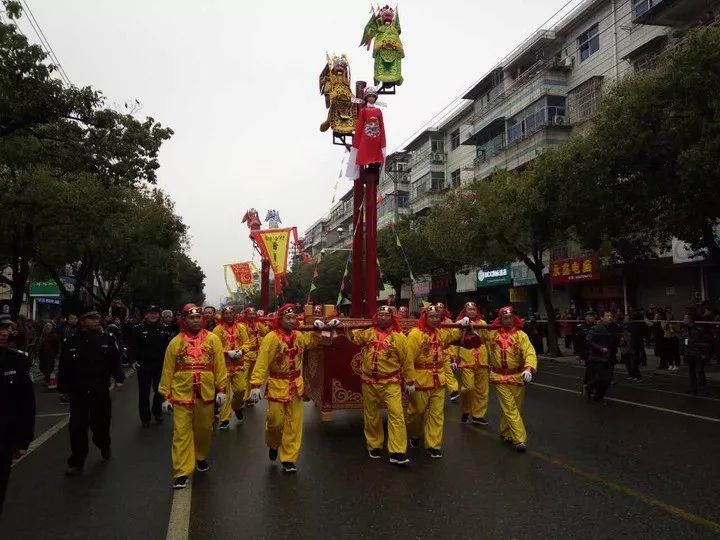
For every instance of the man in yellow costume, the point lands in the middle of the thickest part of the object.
(192, 383)
(452, 352)
(280, 363)
(385, 365)
(512, 362)
(475, 374)
(426, 345)
(250, 334)
(228, 331)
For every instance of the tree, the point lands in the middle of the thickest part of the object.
(330, 269)
(496, 222)
(412, 233)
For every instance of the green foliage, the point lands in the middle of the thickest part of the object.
(330, 271)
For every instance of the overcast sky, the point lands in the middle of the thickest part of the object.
(238, 83)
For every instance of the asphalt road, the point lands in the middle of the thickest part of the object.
(644, 466)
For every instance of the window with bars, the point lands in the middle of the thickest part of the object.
(455, 139)
(584, 99)
(455, 178)
(437, 145)
(589, 42)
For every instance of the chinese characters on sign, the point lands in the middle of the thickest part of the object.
(574, 270)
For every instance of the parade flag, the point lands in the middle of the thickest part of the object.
(243, 273)
(274, 245)
(402, 251)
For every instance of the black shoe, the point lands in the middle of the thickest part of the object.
(106, 453)
(202, 465)
(479, 421)
(224, 425)
(180, 482)
(399, 459)
(414, 443)
(454, 396)
(520, 447)
(272, 454)
(434, 453)
(239, 416)
(289, 467)
(464, 418)
(375, 453)
(73, 471)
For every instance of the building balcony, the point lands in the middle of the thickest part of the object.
(672, 12)
(427, 199)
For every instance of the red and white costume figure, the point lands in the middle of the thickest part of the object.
(369, 140)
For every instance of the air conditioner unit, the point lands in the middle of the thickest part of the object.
(559, 120)
(439, 156)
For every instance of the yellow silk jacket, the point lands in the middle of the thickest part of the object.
(509, 354)
(427, 351)
(384, 356)
(249, 338)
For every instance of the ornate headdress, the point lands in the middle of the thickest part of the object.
(395, 325)
(191, 309)
(370, 91)
(386, 14)
(464, 314)
(518, 323)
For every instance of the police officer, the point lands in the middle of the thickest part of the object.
(602, 341)
(580, 346)
(17, 405)
(88, 360)
(146, 348)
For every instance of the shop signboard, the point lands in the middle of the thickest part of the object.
(494, 277)
(575, 270)
(46, 289)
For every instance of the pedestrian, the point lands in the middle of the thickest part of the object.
(209, 313)
(427, 343)
(146, 352)
(89, 359)
(566, 329)
(169, 322)
(532, 328)
(280, 364)
(228, 332)
(474, 374)
(48, 350)
(628, 353)
(580, 344)
(671, 342)
(695, 349)
(17, 405)
(512, 362)
(602, 348)
(193, 382)
(385, 368)
(250, 332)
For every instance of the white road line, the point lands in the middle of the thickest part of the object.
(44, 438)
(179, 523)
(634, 403)
(51, 414)
(638, 386)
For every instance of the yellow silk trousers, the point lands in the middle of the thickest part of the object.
(284, 428)
(475, 391)
(237, 383)
(426, 416)
(192, 434)
(373, 397)
(511, 400)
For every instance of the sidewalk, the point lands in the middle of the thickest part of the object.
(712, 370)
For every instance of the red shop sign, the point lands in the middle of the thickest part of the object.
(574, 270)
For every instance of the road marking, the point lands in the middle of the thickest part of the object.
(637, 386)
(51, 414)
(634, 403)
(42, 439)
(179, 523)
(620, 488)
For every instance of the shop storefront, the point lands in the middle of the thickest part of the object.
(493, 287)
(45, 298)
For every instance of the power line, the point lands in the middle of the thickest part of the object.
(45, 43)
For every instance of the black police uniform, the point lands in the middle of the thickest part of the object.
(602, 343)
(17, 410)
(87, 361)
(147, 349)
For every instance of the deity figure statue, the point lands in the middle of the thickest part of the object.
(252, 219)
(272, 218)
(384, 27)
(335, 86)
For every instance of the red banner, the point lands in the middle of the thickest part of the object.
(243, 273)
(574, 270)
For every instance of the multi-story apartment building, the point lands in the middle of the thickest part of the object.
(547, 87)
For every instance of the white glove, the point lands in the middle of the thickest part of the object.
(220, 399)
(333, 323)
(255, 395)
(464, 322)
(235, 355)
(527, 376)
(454, 366)
(410, 388)
(167, 407)
(319, 324)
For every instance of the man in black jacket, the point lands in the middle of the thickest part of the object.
(695, 347)
(17, 405)
(146, 349)
(602, 341)
(580, 347)
(88, 360)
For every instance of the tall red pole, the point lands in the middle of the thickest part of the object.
(356, 307)
(265, 286)
(371, 176)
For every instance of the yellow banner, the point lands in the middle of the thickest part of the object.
(274, 245)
